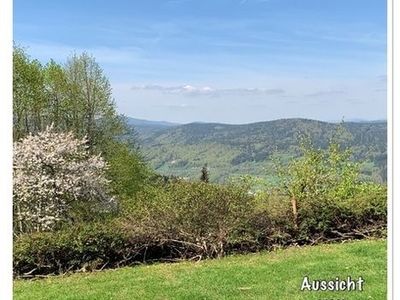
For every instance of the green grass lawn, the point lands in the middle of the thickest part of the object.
(266, 275)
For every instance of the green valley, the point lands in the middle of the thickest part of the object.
(234, 150)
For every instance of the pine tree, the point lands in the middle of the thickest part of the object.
(204, 174)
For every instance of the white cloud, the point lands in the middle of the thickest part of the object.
(190, 90)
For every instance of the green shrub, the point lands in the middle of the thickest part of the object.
(183, 220)
(272, 220)
(326, 194)
(325, 218)
(368, 206)
(208, 215)
(87, 246)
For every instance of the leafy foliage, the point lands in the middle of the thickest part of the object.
(75, 97)
(193, 221)
(206, 215)
(321, 184)
(29, 101)
(84, 246)
(320, 173)
(127, 172)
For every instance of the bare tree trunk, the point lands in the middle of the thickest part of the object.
(294, 209)
(19, 218)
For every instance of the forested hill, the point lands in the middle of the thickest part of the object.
(231, 150)
(145, 127)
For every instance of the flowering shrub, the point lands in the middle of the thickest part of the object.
(52, 173)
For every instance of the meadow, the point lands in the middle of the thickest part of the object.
(266, 275)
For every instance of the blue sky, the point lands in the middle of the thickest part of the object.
(232, 61)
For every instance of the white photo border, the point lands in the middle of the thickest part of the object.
(393, 109)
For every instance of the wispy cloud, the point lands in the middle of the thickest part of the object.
(190, 90)
(179, 107)
(325, 93)
(60, 52)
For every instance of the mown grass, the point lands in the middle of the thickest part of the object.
(266, 275)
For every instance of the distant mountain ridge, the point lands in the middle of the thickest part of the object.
(155, 123)
(231, 150)
(145, 127)
(143, 122)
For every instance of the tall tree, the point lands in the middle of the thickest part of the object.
(56, 91)
(76, 97)
(93, 111)
(30, 104)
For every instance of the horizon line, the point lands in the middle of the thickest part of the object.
(350, 120)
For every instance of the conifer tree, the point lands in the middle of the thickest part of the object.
(204, 174)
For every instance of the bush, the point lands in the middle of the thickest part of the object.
(323, 218)
(208, 215)
(184, 220)
(86, 247)
(272, 220)
(326, 193)
(368, 206)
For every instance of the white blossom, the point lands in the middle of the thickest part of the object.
(52, 171)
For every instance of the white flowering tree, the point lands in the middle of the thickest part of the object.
(52, 173)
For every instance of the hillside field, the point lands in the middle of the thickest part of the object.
(266, 275)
